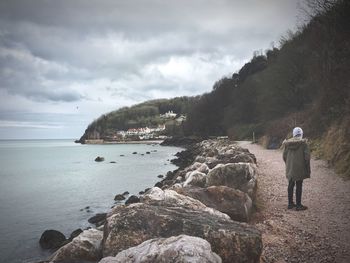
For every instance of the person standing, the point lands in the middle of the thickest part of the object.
(296, 155)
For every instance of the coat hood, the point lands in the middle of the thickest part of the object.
(293, 143)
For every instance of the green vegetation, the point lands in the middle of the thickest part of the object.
(140, 115)
(306, 82)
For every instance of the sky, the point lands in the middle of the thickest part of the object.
(64, 63)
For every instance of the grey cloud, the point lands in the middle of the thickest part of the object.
(66, 51)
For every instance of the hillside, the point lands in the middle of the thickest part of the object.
(306, 82)
(146, 114)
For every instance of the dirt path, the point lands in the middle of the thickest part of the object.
(319, 234)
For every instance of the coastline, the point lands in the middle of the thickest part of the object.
(194, 165)
(123, 142)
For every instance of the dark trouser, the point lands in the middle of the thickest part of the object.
(298, 191)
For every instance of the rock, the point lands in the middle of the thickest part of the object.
(147, 189)
(148, 152)
(233, 202)
(195, 178)
(75, 233)
(159, 184)
(119, 197)
(112, 162)
(170, 198)
(51, 239)
(125, 193)
(134, 153)
(170, 175)
(160, 176)
(240, 157)
(132, 199)
(122, 155)
(87, 207)
(85, 247)
(240, 176)
(127, 227)
(200, 167)
(99, 159)
(98, 219)
(141, 192)
(181, 141)
(181, 248)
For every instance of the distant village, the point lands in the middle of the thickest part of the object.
(147, 133)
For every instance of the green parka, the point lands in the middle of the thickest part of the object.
(296, 155)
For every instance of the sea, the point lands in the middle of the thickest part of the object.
(56, 184)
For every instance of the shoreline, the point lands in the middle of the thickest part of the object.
(101, 142)
(194, 164)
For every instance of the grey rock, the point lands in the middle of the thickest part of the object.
(85, 247)
(129, 226)
(51, 239)
(177, 249)
(241, 176)
(233, 202)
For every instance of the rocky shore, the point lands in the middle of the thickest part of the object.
(197, 213)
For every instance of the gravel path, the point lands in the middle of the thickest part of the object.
(319, 234)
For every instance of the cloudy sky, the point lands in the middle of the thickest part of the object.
(64, 63)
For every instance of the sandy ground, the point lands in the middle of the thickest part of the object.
(319, 234)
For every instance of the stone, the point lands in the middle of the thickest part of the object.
(134, 153)
(98, 219)
(241, 176)
(125, 193)
(170, 198)
(160, 176)
(132, 200)
(195, 178)
(148, 152)
(129, 226)
(85, 247)
(75, 233)
(119, 197)
(200, 167)
(177, 249)
(233, 202)
(51, 239)
(112, 162)
(99, 159)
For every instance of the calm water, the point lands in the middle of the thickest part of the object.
(44, 184)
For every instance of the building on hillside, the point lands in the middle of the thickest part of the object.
(168, 115)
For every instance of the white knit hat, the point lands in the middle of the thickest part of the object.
(298, 132)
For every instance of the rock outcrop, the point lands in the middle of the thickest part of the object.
(85, 247)
(127, 227)
(177, 249)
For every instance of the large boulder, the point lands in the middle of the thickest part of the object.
(131, 225)
(200, 167)
(177, 249)
(195, 178)
(85, 247)
(241, 176)
(171, 198)
(51, 239)
(233, 202)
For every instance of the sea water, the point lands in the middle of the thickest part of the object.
(47, 184)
